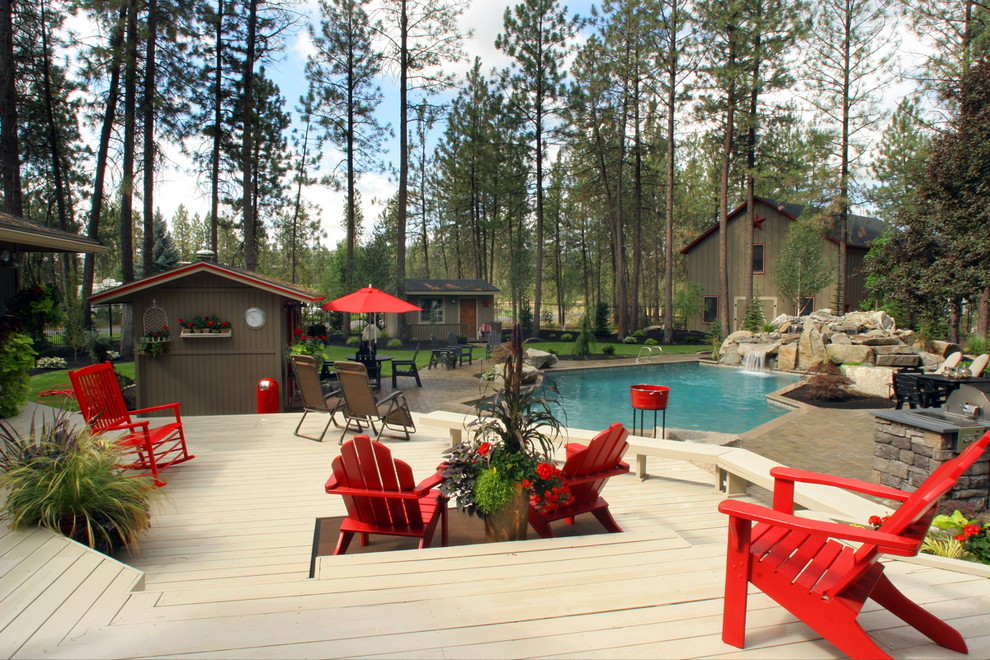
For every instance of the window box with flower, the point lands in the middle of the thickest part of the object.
(508, 464)
(155, 343)
(205, 326)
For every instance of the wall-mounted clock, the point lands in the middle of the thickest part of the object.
(254, 317)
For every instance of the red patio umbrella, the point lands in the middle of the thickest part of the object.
(368, 300)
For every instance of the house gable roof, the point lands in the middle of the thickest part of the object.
(125, 292)
(420, 286)
(861, 230)
(30, 236)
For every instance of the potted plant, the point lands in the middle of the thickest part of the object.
(154, 343)
(199, 324)
(62, 477)
(508, 464)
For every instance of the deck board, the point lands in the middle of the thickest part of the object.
(225, 570)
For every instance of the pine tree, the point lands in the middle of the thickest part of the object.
(536, 34)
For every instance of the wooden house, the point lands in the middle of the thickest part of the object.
(462, 306)
(772, 223)
(19, 235)
(212, 373)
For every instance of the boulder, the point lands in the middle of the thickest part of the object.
(840, 338)
(787, 357)
(879, 340)
(730, 356)
(898, 360)
(539, 359)
(811, 349)
(766, 349)
(840, 353)
(944, 348)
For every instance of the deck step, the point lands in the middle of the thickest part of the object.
(52, 587)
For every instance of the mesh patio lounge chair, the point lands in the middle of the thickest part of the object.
(362, 409)
(316, 398)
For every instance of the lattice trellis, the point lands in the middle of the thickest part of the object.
(155, 319)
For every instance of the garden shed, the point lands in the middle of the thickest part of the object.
(465, 307)
(212, 373)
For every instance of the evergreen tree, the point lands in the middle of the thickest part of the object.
(536, 35)
(342, 100)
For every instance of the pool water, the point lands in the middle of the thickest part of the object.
(704, 398)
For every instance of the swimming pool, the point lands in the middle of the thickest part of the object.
(705, 398)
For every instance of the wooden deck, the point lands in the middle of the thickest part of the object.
(225, 566)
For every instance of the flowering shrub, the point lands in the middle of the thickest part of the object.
(304, 344)
(972, 536)
(51, 363)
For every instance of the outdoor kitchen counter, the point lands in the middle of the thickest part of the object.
(919, 418)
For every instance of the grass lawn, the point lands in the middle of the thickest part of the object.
(59, 379)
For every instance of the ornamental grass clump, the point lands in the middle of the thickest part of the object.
(62, 477)
(513, 444)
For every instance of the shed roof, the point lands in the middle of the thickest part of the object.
(449, 286)
(30, 236)
(125, 292)
(861, 230)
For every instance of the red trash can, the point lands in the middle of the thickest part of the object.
(266, 396)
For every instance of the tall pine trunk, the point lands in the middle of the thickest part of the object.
(247, 146)
(99, 176)
(217, 131)
(148, 248)
(10, 153)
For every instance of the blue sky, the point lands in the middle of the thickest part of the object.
(483, 18)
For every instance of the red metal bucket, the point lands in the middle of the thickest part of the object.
(649, 397)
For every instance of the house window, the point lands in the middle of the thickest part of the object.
(807, 306)
(711, 309)
(432, 311)
(758, 249)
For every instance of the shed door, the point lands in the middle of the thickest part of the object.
(469, 317)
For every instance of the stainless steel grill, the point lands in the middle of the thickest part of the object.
(968, 409)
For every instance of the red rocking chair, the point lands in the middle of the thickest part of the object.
(154, 448)
(586, 471)
(382, 497)
(802, 564)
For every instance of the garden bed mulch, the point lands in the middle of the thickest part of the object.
(852, 401)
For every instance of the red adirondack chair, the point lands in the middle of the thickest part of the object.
(801, 564)
(586, 471)
(382, 497)
(153, 448)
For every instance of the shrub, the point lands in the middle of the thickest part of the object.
(567, 337)
(650, 341)
(639, 333)
(826, 383)
(51, 363)
(353, 340)
(976, 344)
(97, 347)
(630, 339)
(582, 345)
(602, 317)
(16, 359)
(608, 349)
(715, 339)
(526, 319)
(395, 342)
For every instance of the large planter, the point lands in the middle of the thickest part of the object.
(511, 522)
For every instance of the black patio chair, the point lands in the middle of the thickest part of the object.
(406, 368)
